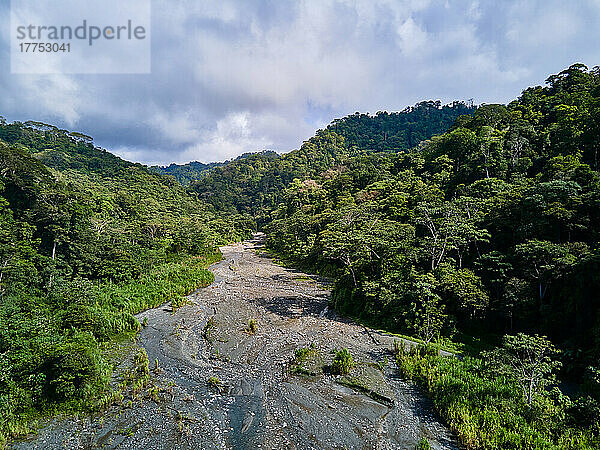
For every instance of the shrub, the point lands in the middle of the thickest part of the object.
(423, 444)
(489, 412)
(77, 369)
(342, 362)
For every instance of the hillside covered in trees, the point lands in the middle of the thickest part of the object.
(86, 241)
(254, 183)
(488, 230)
(185, 173)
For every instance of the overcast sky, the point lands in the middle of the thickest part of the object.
(230, 77)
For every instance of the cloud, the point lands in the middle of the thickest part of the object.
(230, 77)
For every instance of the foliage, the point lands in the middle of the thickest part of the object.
(86, 241)
(423, 444)
(528, 360)
(342, 362)
(488, 229)
(252, 327)
(214, 382)
(487, 411)
(491, 226)
(254, 183)
(301, 357)
(185, 173)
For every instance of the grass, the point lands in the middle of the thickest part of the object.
(301, 357)
(423, 444)
(215, 383)
(211, 324)
(171, 282)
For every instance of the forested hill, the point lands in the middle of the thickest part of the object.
(497, 220)
(86, 241)
(399, 131)
(185, 173)
(254, 183)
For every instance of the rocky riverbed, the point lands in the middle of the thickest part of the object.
(224, 374)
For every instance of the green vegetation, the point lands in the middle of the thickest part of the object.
(86, 241)
(439, 222)
(254, 183)
(304, 359)
(252, 326)
(423, 445)
(488, 411)
(300, 354)
(488, 228)
(343, 362)
(214, 382)
(185, 173)
(211, 325)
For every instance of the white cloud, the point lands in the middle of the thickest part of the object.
(230, 77)
(58, 96)
(232, 136)
(178, 127)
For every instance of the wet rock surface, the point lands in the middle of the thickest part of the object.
(224, 385)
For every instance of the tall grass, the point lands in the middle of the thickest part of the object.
(170, 282)
(489, 412)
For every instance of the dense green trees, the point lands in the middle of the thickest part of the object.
(501, 211)
(253, 183)
(86, 241)
(186, 173)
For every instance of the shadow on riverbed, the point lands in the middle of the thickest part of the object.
(292, 306)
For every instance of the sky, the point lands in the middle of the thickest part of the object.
(229, 77)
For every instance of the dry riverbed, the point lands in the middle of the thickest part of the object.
(217, 384)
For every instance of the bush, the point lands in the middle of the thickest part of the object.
(252, 327)
(423, 444)
(214, 382)
(77, 370)
(342, 362)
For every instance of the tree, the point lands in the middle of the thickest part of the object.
(463, 288)
(429, 316)
(450, 226)
(528, 360)
(515, 299)
(541, 260)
